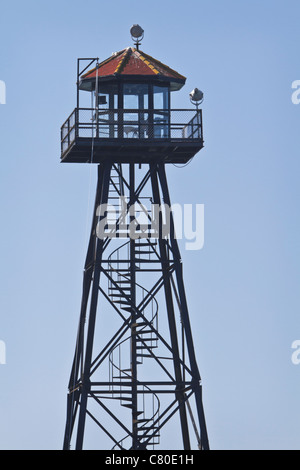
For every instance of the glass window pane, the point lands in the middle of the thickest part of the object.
(160, 97)
(161, 114)
(161, 125)
(108, 96)
(107, 103)
(135, 96)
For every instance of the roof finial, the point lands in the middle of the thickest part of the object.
(137, 34)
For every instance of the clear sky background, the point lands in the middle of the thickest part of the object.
(242, 287)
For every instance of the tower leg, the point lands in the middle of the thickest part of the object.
(171, 316)
(184, 312)
(80, 377)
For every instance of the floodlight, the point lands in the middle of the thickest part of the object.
(137, 34)
(196, 96)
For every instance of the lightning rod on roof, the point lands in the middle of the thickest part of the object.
(137, 34)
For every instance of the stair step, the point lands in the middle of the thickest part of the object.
(145, 428)
(141, 260)
(138, 244)
(116, 295)
(121, 398)
(131, 406)
(144, 355)
(122, 377)
(146, 347)
(114, 213)
(127, 281)
(146, 339)
(142, 323)
(142, 332)
(148, 436)
(118, 288)
(112, 225)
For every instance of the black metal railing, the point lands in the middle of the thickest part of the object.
(174, 125)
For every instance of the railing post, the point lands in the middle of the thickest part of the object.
(120, 124)
(69, 132)
(76, 122)
(201, 125)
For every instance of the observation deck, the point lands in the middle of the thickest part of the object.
(92, 135)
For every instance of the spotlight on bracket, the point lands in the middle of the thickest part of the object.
(196, 96)
(137, 34)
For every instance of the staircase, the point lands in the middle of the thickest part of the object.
(143, 330)
(146, 341)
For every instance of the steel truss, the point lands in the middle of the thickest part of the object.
(142, 361)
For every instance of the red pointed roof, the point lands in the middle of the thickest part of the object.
(132, 62)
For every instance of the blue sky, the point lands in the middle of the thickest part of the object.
(242, 287)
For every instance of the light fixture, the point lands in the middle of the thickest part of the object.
(196, 96)
(137, 34)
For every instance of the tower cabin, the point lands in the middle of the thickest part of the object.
(130, 118)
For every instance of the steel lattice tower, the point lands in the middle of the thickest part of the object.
(134, 366)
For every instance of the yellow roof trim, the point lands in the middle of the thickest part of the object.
(148, 63)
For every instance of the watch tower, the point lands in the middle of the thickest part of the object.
(134, 370)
